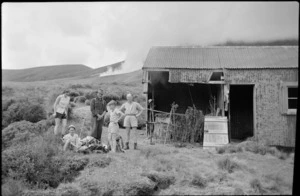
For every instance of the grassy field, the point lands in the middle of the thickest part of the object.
(168, 170)
(244, 168)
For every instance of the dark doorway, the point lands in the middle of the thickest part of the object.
(241, 111)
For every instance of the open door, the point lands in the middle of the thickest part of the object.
(241, 112)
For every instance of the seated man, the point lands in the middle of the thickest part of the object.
(71, 140)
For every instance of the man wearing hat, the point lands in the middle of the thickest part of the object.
(98, 109)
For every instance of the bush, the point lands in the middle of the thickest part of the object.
(256, 185)
(199, 181)
(163, 181)
(6, 103)
(228, 165)
(81, 99)
(12, 188)
(111, 96)
(40, 163)
(72, 104)
(22, 131)
(23, 110)
(87, 102)
(220, 150)
(7, 91)
(90, 95)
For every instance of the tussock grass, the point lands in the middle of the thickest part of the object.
(257, 186)
(162, 180)
(229, 165)
(199, 181)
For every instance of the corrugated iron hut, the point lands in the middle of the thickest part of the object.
(255, 87)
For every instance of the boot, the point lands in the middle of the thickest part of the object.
(135, 146)
(126, 146)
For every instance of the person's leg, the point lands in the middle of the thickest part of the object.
(66, 145)
(94, 128)
(134, 130)
(109, 142)
(57, 123)
(114, 142)
(64, 125)
(99, 132)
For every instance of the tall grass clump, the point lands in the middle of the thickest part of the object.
(199, 181)
(227, 164)
(257, 186)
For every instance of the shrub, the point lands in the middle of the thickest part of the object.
(87, 102)
(12, 188)
(81, 99)
(199, 181)
(7, 91)
(163, 181)
(228, 165)
(90, 94)
(22, 131)
(72, 104)
(40, 164)
(220, 150)
(6, 103)
(111, 96)
(256, 185)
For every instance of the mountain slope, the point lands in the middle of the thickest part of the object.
(45, 73)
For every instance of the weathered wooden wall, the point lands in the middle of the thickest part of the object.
(271, 124)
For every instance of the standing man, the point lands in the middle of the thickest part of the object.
(132, 111)
(98, 109)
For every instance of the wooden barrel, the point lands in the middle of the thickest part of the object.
(215, 131)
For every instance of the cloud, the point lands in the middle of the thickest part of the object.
(100, 33)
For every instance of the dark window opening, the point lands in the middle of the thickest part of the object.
(292, 97)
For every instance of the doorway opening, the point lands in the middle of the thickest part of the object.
(241, 112)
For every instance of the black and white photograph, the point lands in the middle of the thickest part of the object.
(149, 98)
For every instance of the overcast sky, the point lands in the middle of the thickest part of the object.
(100, 33)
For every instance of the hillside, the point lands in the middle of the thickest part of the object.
(44, 73)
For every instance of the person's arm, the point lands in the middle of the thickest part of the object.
(122, 107)
(104, 112)
(121, 115)
(140, 109)
(55, 104)
(93, 108)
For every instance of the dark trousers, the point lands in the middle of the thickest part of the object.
(97, 128)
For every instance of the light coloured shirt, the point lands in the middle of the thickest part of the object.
(75, 140)
(133, 108)
(114, 115)
(62, 104)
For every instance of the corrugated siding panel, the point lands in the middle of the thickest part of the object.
(226, 57)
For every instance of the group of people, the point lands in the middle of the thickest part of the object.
(130, 110)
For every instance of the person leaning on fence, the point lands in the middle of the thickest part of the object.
(113, 127)
(132, 111)
(98, 109)
(61, 111)
(71, 140)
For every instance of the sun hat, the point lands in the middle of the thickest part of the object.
(71, 126)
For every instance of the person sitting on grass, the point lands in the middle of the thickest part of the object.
(113, 127)
(71, 140)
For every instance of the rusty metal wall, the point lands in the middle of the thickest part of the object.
(271, 125)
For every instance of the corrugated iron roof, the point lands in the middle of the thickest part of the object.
(218, 57)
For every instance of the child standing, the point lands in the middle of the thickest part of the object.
(113, 127)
